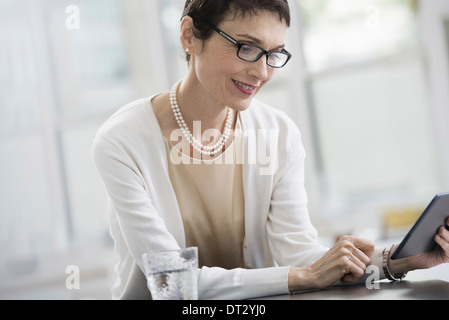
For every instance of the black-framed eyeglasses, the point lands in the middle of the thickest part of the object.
(252, 53)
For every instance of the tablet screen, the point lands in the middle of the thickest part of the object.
(420, 237)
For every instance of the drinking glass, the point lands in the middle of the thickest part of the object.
(172, 275)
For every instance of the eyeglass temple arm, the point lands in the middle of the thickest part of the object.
(222, 33)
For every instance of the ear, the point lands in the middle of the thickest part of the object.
(188, 39)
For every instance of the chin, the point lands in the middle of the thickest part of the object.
(241, 106)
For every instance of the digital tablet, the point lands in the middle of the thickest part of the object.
(420, 237)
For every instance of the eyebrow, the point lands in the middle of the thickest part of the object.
(258, 41)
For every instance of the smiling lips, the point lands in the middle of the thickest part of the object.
(245, 88)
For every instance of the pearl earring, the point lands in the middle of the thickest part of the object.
(187, 50)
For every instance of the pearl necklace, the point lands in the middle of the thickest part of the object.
(197, 145)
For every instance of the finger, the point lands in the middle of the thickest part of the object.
(361, 256)
(355, 272)
(444, 244)
(349, 278)
(444, 233)
(367, 246)
(352, 252)
(442, 238)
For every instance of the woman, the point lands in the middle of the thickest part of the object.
(189, 168)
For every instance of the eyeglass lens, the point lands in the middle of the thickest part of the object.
(253, 53)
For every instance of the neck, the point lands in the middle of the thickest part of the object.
(197, 105)
(195, 139)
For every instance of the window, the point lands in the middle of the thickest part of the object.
(340, 33)
(370, 105)
(92, 78)
(25, 202)
(58, 86)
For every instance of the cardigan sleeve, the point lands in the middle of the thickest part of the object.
(142, 228)
(292, 237)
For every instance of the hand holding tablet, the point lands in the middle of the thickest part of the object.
(421, 236)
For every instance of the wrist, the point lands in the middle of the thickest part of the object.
(299, 279)
(394, 269)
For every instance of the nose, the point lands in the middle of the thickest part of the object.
(259, 69)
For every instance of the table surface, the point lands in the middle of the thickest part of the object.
(415, 287)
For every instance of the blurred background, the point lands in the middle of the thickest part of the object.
(368, 87)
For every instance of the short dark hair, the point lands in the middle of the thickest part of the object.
(215, 11)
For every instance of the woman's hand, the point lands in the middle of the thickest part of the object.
(436, 257)
(346, 261)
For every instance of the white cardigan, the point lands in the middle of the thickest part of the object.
(129, 153)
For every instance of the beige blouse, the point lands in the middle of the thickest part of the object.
(210, 197)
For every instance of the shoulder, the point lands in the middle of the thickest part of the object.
(125, 118)
(131, 127)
